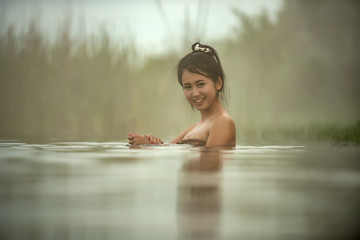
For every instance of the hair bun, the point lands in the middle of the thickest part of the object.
(197, 47)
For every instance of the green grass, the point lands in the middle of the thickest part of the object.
(348, 135)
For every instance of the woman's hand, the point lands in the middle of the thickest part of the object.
(136, 139)
(153, 140)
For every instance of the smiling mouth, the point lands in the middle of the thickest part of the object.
(200, 100)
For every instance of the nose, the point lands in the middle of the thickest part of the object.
(195, 92)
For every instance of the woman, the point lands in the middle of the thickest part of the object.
(202, 78)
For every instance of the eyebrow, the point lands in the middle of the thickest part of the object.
(201, 80)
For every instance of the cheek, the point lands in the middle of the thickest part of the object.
(187, 94)
(211, 90)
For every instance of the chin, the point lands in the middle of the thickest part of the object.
(200, 108)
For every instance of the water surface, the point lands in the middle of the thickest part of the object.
(106, 190)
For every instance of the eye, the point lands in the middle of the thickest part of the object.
(201, 84)
(186, 87)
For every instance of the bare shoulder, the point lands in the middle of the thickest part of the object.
(224, 121)
(222, 131)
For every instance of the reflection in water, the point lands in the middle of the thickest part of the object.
(109, 191)
(199, 197)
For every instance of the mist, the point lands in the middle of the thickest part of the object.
(297, 72)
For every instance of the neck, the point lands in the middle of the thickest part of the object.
(215, 109)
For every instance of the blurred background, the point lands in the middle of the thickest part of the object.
(98, 70)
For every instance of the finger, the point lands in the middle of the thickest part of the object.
(147, 136)
(133, 142)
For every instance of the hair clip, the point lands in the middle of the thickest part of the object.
(197, 48)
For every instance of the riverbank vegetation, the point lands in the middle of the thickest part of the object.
(347, 135)
(296, 78)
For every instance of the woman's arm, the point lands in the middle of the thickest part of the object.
(222, 133)
(136, 139)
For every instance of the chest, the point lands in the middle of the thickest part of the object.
(200, 131)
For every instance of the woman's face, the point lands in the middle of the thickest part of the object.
(200, 91)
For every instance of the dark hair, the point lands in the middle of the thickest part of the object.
(203, 60)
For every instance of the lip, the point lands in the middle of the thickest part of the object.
(198, 101)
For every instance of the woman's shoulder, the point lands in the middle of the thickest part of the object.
(224, 123)
(224, 120)
(222, 131)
